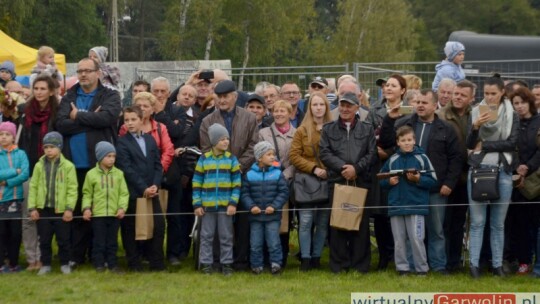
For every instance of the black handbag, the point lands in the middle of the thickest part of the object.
(485, 184)
(310, 189)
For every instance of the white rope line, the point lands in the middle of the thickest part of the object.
(290, 209)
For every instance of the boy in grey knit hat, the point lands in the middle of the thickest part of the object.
(105, 201)
(264, 192)
(216, 191)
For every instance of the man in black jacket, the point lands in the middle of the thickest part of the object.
(439, 140)
(87, 114)
(348, 149)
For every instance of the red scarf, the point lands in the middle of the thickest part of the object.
(285, 129)
(36, 115)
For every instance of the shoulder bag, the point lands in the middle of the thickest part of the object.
(484, 181)
(310, 189)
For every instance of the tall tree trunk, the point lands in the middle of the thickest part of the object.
(141, 31)
(246, 59)
(184, 7)
(209, 40)
(360, 40)
(183, 14)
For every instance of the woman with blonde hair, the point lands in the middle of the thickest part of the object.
(280, 135)
(146, 101)
(304, 155)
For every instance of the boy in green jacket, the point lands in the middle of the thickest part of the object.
(52, 197)
(105, 201)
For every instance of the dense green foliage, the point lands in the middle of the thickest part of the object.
(264, 33)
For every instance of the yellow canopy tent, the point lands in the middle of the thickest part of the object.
(24, 57)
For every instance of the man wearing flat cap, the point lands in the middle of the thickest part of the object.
(244, 134)
(348, 149)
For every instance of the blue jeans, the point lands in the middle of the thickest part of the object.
(435, 232)
(312, 247)
(261, 231)
(498, 209)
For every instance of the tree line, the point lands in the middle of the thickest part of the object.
(264, 33)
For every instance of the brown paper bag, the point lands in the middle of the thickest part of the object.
(163, 200)
(347, 207)
(144, 220)
(284, 228)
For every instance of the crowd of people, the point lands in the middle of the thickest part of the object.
(80, 165)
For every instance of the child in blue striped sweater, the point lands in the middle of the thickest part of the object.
(216, 191)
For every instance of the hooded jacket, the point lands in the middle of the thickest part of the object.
(264, 187)
(66, 191)
(104, 193)
(407, 198)
(12, 159)
(447, 69)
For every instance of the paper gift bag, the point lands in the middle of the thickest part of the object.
(163, 200)
(284, 228)
(144, 220)
(347, 207)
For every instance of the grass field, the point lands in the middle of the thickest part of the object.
(184, 285)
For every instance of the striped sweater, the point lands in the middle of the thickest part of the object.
(216, 182)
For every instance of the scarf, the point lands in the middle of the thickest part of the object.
(496, 130)
(284, 129)
(33, 114)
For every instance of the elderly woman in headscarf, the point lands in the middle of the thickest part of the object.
(110, 76)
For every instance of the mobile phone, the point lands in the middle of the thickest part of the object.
(405, 110)
(491, 109)
(206, 75)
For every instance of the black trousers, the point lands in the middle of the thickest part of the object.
(179, 226)
(241, 240)
(351, 249)
(186, 221)
(105, 242)
(81, 230)
(384, 237)
(48, 227)
(153, 246)
(520, 228)
(10, 239)
(454, 222)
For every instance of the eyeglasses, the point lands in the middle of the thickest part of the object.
(316, 86)
(87, 71)
(294, 93)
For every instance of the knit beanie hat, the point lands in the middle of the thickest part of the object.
(10, 67)
(103, 148)
(261, 148)
(452, 48)
(101, 52)
(216, 132)
(9, 127)
(53, 138)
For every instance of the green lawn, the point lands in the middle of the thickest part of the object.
(184, 285)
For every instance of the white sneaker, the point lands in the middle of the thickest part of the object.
(44, 270)
(66, 269)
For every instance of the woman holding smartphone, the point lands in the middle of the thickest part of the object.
(493, 144)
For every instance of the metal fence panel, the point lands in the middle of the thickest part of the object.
(525, 69)
(247, 78)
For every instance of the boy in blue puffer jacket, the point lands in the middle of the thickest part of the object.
(264, 192)
(408, 200)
